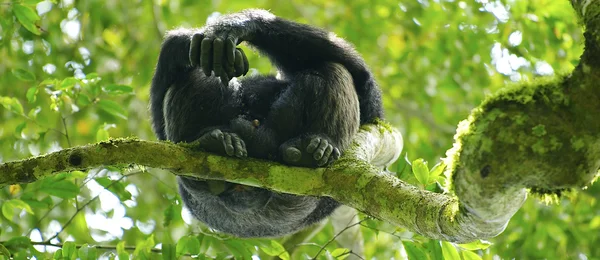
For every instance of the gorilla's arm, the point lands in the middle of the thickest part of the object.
(173, 61)
(296, 47)
(187, 105)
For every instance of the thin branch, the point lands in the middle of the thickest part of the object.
(349, 252)
(40, 125)
(103, 247)
(336, 235)
(79, 209)
(39, 221)
(382, 231)
(64, 123)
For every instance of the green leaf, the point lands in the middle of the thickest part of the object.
(83, 100)
(205, 241)
(4, 251)
(48, 82)
(92, 76)
(69, 250)
(17, 107)
(121, 252)
(340, 253)
(67, 83)
(274, 248)
(31, 94)
(449, 251)
(168, 214)
(112, 108)
(437, 170)
(421, 171)
(20, 127)
(193, 246)
(143, 248)
(468, 255)
(181, 246)
(187, 244)
(44, 203)
(102, 135)
(77, 175)
(413, 251)
(87, 252)
(58, 254)
(475, 245)
(12, 104)
(433, 249)
(27, 17)
(17, 243)
(168, 252)
(23, 74)
(9, 207)
(7, 211)
(115, 187)
(33, 113)
(239, 249)
(63, 189)
(117, 89)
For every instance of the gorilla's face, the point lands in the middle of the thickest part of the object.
(231, 208)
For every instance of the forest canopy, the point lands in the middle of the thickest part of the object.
(75, 73)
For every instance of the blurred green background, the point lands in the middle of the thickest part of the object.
(85, 77)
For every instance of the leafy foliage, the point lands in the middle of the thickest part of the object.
(75, 72)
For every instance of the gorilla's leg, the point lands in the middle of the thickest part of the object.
(323, 101)
(220, 142)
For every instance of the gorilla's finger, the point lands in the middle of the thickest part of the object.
(206, 56)
(230, 53)
(218, 52)
(237, 142)
(228, 145)
(245, 60)
(312, 146)
(327, 152)
(291, 155)
(323, 161)
(321, 149)
(244, 151)
(195, 49)
(336, 154)
(217, 134)
(238, 64)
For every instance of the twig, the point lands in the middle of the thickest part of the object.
(79, 209)
(39, 221)
(64, 122)
(104, 247)
(334, 237)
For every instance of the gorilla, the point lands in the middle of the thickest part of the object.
(306, 115)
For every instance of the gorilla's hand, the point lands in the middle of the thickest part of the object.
(219, 54)
(221, 142)
(311, 151)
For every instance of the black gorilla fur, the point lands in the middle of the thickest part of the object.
(306, 116)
